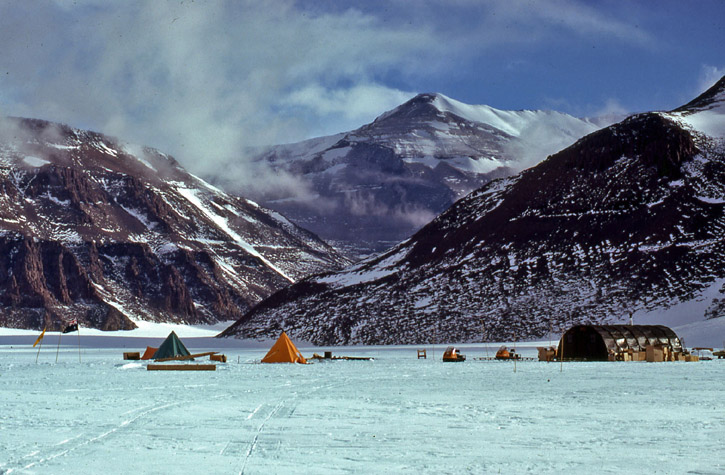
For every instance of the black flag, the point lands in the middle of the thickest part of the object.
(72, 327)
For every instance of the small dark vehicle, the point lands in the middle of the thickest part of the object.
(453, 355)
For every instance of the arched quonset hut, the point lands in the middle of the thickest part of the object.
(598, 342)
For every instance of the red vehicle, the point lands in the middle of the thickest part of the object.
(504, 353)
(453, 355)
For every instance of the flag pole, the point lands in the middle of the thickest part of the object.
(41, 345)
(515, 355)
(78, 328)
(58, 350)
(561, 367)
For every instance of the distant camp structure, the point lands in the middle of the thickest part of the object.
(453, 355)
(284, 351)
(621, 343)
(328, 357)
(172, 347)
(504, 353)
(149, 353)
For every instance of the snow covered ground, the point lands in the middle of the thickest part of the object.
(396, 414)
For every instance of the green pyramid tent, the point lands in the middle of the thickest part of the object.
(171, 348)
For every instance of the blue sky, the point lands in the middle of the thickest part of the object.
(203, 80)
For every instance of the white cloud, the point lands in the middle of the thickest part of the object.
(582, 19)
(709, 75)
(204, 80)
(358, 104)
(201, 80)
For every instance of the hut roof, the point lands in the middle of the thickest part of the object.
(597, 341)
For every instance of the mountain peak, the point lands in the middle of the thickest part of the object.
(710, 99)
(421, 106)
(425, 97)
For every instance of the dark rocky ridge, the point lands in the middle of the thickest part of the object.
(628, 219)
(108, 233)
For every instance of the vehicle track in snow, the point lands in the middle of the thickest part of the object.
(45, 458)
(285, 407)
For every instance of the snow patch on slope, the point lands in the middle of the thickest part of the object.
(191, 195)
(35, 161)
(363, 272)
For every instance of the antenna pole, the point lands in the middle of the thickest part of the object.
(41, 345)
(561, 368)
(58, 350)
(485, 337)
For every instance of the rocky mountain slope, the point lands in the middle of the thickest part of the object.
(629, 219)
(369, 189)
(110, 234)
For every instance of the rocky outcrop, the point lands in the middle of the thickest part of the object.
(111, 234)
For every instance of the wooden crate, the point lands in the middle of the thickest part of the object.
(181, 367)
(220, 358)
(655, 354)
(132, 355)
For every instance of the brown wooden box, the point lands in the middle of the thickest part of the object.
(181, 367)
(655, 354)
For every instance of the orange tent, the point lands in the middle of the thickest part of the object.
(284, 351)
(149, 353)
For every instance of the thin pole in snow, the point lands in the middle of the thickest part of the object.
(41, 345)
(549, 333)
(515, 355)
(485, 337)
(58, 350)
(78, 328)
(561, 367)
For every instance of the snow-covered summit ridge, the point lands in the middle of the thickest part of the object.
(511, 122)
(372, 187)
(706, 113)
(713, 98)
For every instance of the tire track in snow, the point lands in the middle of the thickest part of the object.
(277, 408)
(97, 438)
(253, 445)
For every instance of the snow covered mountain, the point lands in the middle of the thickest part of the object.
(369, 189)
(110, 234)
(628, 220)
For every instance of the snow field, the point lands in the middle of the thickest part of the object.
(396, 414)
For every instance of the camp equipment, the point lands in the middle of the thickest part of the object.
(504, 353)
(453, 355)
(284, 351)
(620, 343)
(181, 367)
(149, 353)
(172, 347)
